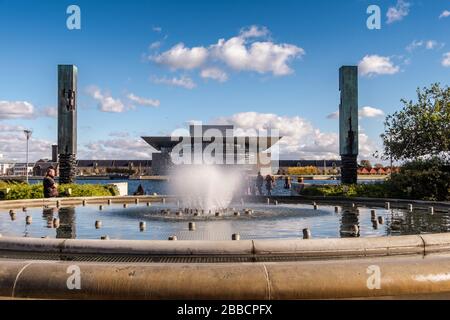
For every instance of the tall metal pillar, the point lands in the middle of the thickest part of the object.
(348, 124)
(67, 122)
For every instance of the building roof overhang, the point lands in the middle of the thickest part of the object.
(160, 143)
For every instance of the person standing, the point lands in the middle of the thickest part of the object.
(259, 183)
(287, 182)
(50, 186)
(270, 181)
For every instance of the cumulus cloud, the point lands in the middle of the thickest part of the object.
(106, 103)
(241, 53)
(446, 60)
(183, 81)
(120, 148)
(254, 32)
(12, 145)
(444, 14)
(143, 101)
(215, 74)
(301, 140)
(398, 12)
(364, 112)
(370, 112)
(16, 110)
(261, 57)
(372, 65)
(181, 57)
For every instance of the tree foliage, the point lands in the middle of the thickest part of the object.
(422, 128)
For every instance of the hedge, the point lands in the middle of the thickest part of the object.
(21, 191)
(419, 180)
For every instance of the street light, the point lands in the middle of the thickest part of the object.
(28, 134)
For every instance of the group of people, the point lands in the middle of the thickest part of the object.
(269, 182)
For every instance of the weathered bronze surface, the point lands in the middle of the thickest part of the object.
(348, 123)
(67, 122)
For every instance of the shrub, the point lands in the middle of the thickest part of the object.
(20, 191)
(422, 179)
(298, 171)
(380, 190)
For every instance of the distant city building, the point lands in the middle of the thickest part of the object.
(247, 153)
(6, 168)
(40, 167)
(114, 167)
(20, 169)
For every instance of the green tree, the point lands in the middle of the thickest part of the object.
(422, 128)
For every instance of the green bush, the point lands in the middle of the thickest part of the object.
(422, 179)
(380, 190)
(419, 180)
(19, 191)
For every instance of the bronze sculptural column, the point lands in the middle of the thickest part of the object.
(348, 124)
(67, 122)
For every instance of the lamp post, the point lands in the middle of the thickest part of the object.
(28, 134)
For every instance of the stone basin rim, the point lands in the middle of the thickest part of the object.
(309, 249)
(376, 202)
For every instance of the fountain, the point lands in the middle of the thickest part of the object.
(205, 188)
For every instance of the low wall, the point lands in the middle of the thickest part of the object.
(341, 279)
(307, 249)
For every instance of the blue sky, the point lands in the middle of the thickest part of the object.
(149, 67)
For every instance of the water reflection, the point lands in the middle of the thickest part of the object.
(350, 226)
(266, 222)
(67, 228)
(417, 222)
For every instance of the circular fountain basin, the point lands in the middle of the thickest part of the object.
(251, 221)
(271, 261)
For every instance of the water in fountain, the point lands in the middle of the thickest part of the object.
(205, 187)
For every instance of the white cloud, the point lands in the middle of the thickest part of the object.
(370, 112)
(143, 101)
(106, 103)
(155, 45)
(180, 57)
(16, 110)
(254, 32)
(239, 53)
(364, 112)
(215, 74)
(301, 140)
(12, 145)
(372, 65)
(427, 44)
(50, 112)
(119, 134)
(397, 13)
(444, 14)
(334, 115)
(120, 148)
(261, 57)
(183, 81)
(446, 60)
(11, 128)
